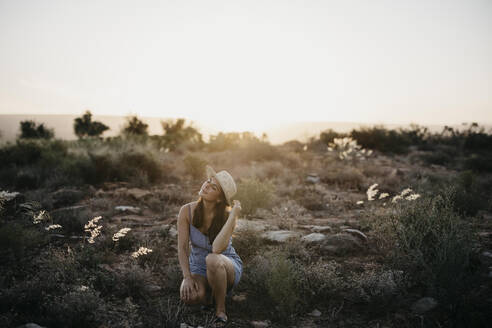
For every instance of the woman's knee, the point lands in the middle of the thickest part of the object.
(214, 262)
(197, 296)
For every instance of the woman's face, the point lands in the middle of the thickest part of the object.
(210, 190)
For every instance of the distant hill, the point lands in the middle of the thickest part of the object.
(63, 126)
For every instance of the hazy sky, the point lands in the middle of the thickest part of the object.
(248, 64)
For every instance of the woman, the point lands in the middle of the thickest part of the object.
(213, 268)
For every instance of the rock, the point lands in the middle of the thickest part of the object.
(313, 238)
(280, 236)
(30, 325)
(66, 197)
(487, 254)
(312, 178)
(356, 233)
(316, 228)
(79, 211)
(423, 305)
(341, 244)
(315, 313)
(128, 209)
(153, 288)
(138, 193)
(259, 324)
(132, 220)
(242, 225)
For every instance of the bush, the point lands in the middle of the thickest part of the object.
(135, 127)
(433, 245)
(195, 166)
(281, 286)
(85, 127)
(254, 194)
(76, 309)
(32, 130)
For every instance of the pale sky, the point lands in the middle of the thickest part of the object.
(246, 65)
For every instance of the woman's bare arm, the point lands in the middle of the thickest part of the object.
(184, 242)
(222, 240)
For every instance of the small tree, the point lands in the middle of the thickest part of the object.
(175, 134)
(134, 126)
(85, 127)
(31, 130)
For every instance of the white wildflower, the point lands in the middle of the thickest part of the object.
(40, 217)
(360, 202)
(396, 198)
(412, 197)
(383, 195)
(371, 192)
(83, 288)
(92, 223)
(93, 229)
(53, 226)
(141, 251)
(120, 234)
(405, 192)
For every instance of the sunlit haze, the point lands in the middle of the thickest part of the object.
(249, 65)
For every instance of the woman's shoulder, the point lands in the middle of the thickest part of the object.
(192, 205)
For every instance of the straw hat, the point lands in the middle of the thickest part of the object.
(226, 182)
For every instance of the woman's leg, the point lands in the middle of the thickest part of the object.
(199, 296)
(220, 275)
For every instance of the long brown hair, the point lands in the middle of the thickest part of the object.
(220, 218)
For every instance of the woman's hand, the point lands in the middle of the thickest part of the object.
(188, 288)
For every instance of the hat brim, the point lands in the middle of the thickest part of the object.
(211, 173)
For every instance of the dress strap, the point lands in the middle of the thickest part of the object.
(189, 212)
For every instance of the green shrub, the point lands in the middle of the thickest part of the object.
(195, 166)
(382, 139)
(281, 286)
(247, 242)
(32, 130)
(85, 127)
(76, 309)
(318, 282)
(254, 194)
(16, 239)
(433, 245)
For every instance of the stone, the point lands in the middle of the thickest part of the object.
(487, 254)
(341, 244)
(280, 236)
(316, 228)
(423, 305)
(242, 225)
(259, 324)
(315, 313)
(313, 238)
(30, 325)
(79, 211)
(356, 233)
(138, 193)
(312, 178)
(128, 209)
